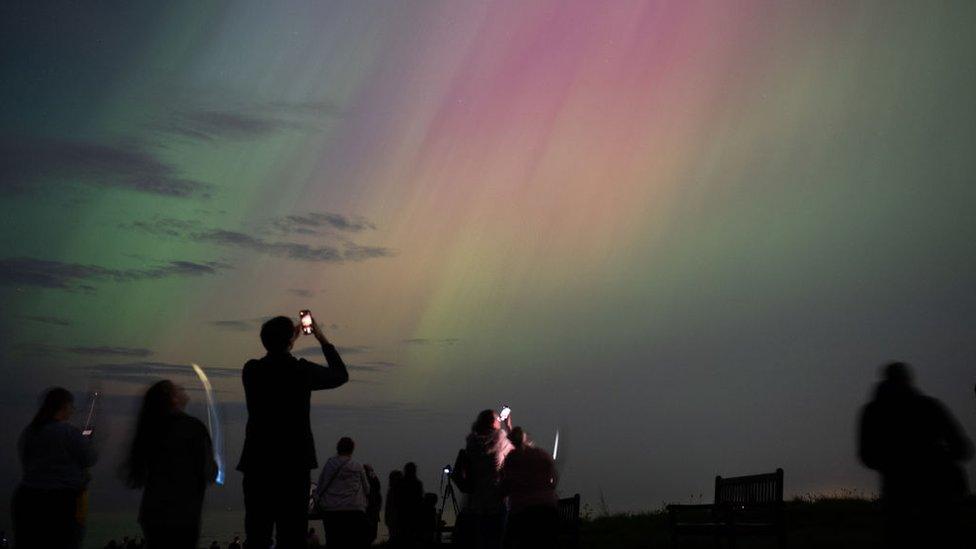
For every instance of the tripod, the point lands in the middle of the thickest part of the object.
(447, 492)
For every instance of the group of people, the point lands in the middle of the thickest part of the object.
(509, 488)
(171, 457)
(508, 484)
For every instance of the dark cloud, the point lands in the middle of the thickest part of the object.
(211, 125)
(25, 161)
(315, 222)
(338, 253)
(382, 363)
(109, 351)
(299, 292)
(241, 324)
(430, 341)
(52, 320)
(162, 226)
(43, 273)
(316, 351)
(142, 371)
(251, 122)
(292, 250)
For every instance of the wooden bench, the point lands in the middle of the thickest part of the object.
(568, 511)
(744, 506)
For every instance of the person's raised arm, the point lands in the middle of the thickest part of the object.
(82, 448)
(322, 377)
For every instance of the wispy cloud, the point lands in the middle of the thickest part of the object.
(162, 226)
(245, 122)
(43, 273)
(211, 125)
(342, 251)
(26, 161)
(315, 222)
(431, 341)
(299, 292)
(104, 350)
(293, 250)
(240, 324)
(316, 351)
(52, 320)
(143, 371)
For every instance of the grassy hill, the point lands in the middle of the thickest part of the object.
(834, 523)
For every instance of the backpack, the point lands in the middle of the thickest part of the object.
(461, 474)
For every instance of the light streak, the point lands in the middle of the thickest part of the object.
(555, 445)
(213, 422)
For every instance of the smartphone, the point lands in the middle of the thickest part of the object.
(306, 317)
(503, 415)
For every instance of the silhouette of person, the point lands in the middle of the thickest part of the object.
(391, 512)
(235, 543)
(428, 520)
(917, 446)
(312, 539)
(172, 460)
(55, 457)
(409, 500)
(484, 505)
(529, 479)
(343, 492)
(279, 450)
(374, 505)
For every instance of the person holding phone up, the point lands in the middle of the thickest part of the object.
(279, 450)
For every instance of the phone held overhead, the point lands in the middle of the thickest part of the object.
(306, 319)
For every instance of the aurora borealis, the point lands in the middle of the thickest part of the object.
(685, 233)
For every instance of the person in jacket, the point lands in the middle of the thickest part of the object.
(484, 505)
(343, 493)
(917, 446)
(528, 479)
(279, 450)
(172, 460)
(55, 458)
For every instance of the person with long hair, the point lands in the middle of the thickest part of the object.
(172, 460)
(484, 508)
(55, 457)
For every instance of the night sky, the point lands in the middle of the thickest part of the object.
(685, 234)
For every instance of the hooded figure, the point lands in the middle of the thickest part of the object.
(918, 448)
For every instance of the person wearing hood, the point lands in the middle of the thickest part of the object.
(918, 447)
(343, 493)
(484, 505)
(529, 480)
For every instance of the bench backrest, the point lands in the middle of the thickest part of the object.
(569, 510)
(750, 490)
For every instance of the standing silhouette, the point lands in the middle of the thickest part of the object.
(343, 493)
(279, 450)
(390, 512)
(374, 505)
(484, 513)
(172, 459)
(917, 446)
(529, 479)
(55, 457)
(409, 501)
